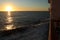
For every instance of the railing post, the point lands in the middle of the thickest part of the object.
(55, 19)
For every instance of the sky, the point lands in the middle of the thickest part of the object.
(25, 5)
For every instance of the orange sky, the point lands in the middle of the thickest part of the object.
(24, 5)
(23, 9)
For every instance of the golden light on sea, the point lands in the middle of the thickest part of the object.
(10, 27)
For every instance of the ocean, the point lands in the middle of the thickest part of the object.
(36, 21)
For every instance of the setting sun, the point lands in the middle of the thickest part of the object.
(9, 8)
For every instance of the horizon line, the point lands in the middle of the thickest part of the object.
(27, 10)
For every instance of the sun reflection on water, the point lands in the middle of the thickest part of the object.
(9, 18)
(10, 25)
(9, 14)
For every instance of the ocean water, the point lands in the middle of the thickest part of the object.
(24, 25)
(17, 19)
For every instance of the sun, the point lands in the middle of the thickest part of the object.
(9, 8)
